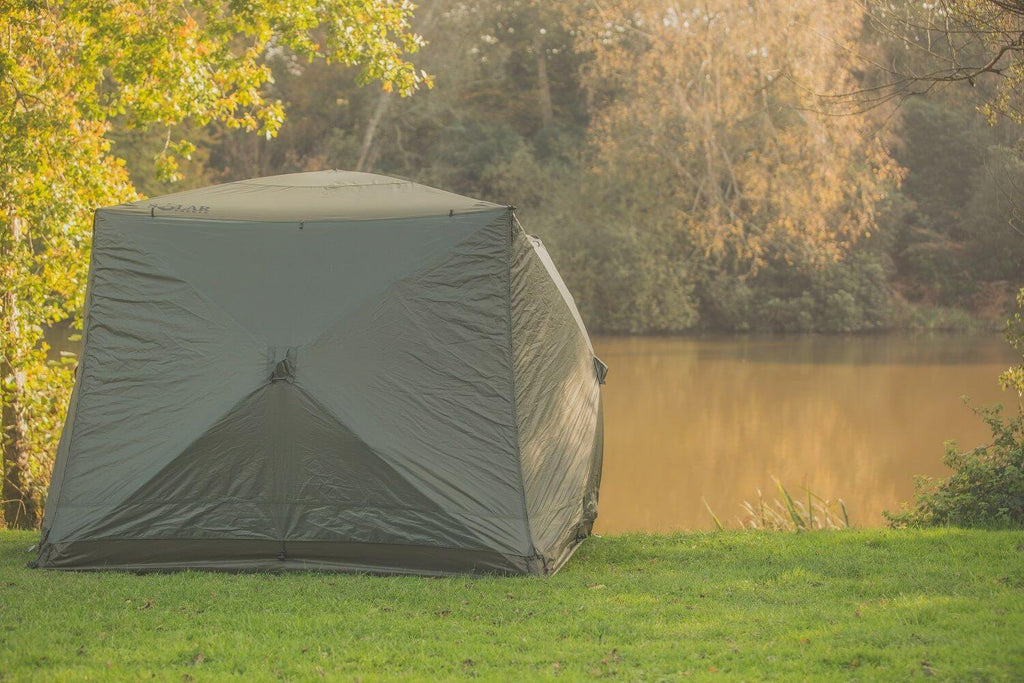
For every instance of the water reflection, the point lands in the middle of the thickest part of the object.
(850, 417)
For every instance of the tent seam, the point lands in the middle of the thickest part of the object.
(335, 186)
(131, 211)
(512, 383)
(288, 502)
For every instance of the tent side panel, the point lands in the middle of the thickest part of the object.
(285, 283)
(558, 404)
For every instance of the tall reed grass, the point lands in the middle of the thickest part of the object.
(786, 513)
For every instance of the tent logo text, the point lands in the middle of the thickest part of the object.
(182, 208)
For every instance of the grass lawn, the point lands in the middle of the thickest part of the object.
(823, 605)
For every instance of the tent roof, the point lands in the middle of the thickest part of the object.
(314, 196)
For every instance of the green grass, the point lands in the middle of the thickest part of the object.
(821, 605)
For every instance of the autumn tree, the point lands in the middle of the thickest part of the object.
(704, 132)
(956, 70)
(976, 42)
(74, 72)
(713, 95)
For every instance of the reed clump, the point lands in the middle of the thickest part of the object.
(786, 513)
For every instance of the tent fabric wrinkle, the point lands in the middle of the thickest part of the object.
(283, 362)
(334, 371)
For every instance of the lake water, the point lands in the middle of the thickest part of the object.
(847, 417)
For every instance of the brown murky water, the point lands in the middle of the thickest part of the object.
(849, 417)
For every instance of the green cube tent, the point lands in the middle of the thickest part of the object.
(330, 371)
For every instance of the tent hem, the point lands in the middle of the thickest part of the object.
(267, 555)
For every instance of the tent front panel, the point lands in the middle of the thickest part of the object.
(262, 385)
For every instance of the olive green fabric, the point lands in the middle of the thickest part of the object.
(560, 435)
(325, 370)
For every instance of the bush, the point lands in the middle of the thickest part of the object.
(928, 318)
(995, 228)
(935, 268)
(986, 488)
(727, 303)
(1013, 378)
(851, 295)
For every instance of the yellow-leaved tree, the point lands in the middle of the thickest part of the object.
(73, 71)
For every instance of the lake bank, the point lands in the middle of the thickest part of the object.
(823, 605)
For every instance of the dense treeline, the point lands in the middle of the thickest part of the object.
(682, 161)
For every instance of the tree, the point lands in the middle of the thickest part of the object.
(72, 73)
(950, 41)
(489, 102)
(704, 131)
(946, 62)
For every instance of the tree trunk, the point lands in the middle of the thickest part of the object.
(367, 152)
(547, 114)
(20, 509)
(365, 162)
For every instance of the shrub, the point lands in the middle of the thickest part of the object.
(986, 488)
(1013, 378)
(987, 485)
(727, 303)
(928, 318)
